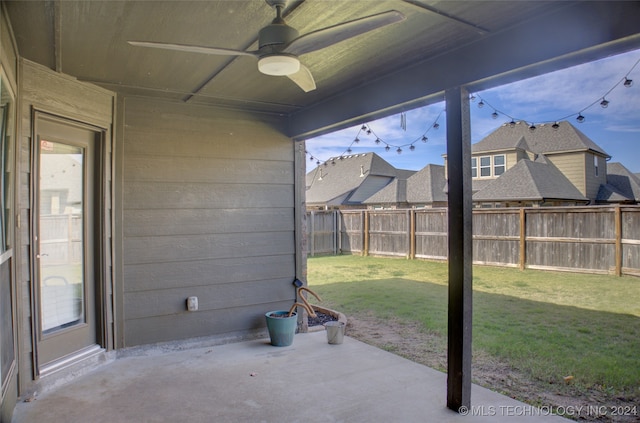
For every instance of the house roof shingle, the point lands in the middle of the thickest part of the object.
(622, 185)
(543, 140)
(530, 181)
(425, 186)
(342, 182)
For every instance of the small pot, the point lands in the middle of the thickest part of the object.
(282, 327)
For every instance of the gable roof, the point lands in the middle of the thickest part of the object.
(622, 185)
(543, 140)
(428, 185)
(349, 179)
(425, 186)
(528, 180)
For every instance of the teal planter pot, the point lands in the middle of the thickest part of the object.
(282, 327)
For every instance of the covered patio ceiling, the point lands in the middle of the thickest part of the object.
(440, 44)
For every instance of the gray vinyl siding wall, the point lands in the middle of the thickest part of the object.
(207, 211)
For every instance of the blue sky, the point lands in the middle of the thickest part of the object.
(540, 99)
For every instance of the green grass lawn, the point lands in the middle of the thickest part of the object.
(547, 324)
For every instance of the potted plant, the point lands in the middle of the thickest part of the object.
(282, 324)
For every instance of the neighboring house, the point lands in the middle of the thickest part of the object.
(514, 166)
(346, 181)
(552, 165)
(622, 186)
(424, 189)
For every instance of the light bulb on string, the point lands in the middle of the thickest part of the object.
(555, 126)
(399, 150)
(377, 141)
(424, 138)
(481, 104)
(436, 125)
(494, 115)
(628, 82)
(387, 148)
(604, 103)
(357, 140)
(532, 127)
(412, 148)
(580, 118)
(512, 123)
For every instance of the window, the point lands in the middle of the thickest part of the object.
(595, 164)
(498, 165)
(485, 166)
(489, 166)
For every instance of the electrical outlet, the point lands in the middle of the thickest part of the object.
(192, 303)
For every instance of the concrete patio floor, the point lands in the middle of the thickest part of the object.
(252, 381)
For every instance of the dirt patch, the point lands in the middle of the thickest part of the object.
(320, 319)
(412, 342)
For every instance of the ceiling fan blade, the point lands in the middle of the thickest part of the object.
(193, 49)
(325, 37)
(303, 79)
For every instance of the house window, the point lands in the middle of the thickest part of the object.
(595, 164)
(474, 167)
(485, 166)
(498, 165)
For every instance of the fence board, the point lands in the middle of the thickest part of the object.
(431, 234)
(389, 233)
(322, 232)
(351, 232)
(580, 239)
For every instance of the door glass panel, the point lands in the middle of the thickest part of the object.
(61, 236)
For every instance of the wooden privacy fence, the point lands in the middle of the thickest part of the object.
(594, 239)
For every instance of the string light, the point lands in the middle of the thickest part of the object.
(366, 129)
(580, 117)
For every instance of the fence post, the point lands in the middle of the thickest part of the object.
(334, 227)
(365, 233)
(70, 238)
(339, 231)
(523, 238)
(412, 234)
(312, 235)
(618, 253)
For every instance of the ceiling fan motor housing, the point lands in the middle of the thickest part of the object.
(273, 39)
(277, 34)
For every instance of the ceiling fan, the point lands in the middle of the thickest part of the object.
(279, 44)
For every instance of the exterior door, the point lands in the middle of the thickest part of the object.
(65, 234)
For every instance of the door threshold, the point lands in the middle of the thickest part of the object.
(71, 360)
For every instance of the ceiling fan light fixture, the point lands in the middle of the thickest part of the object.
(278, 65)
